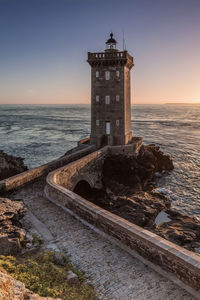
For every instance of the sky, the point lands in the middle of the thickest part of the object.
(44, 45)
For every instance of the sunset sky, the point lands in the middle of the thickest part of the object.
(44, 45)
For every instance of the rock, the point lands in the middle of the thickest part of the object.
(10, 165)
(29, 245)
(11, 233)
(161, 218)
(11, 288)
(58, 258)
(9, 209)
(72, 278)
(182, 230)
(135, 172)
(128, 191)
(8, 246)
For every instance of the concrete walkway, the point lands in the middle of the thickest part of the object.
(114, 272)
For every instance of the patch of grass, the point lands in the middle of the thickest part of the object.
(41, 275)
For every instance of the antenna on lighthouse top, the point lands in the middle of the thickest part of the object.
(124, 43)
(123, 40)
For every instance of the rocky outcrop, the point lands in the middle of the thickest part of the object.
(182, 229)
(128, 183)
(11, 289)
(140, 208)
(10, 165)
(11, 232)
(136, 173)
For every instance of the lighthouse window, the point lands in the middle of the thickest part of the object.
(117, 122)
(117, 73)
(107, 127)
(97, 74)
(107, 99)
(117, 98)
(107, 75)
(97, 98)
(97, 122)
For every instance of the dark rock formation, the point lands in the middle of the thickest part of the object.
(127, 191)
(11, 232)
(140, 208)
(182, 229)
(10, 165)
(135, 172)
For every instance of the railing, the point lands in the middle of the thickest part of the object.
(109, 55)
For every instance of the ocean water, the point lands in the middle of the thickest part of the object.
(43, 133)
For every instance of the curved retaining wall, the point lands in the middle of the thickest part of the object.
(89, 168)
(30, 175)
(179, 264)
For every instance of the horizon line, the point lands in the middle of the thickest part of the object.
(166, 103)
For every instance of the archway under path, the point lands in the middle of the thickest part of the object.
(83, 189)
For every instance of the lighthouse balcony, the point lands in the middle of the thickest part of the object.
(121, 57)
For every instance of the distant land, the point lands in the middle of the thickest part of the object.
(182, 103)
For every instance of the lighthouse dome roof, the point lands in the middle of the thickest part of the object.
(111, 40)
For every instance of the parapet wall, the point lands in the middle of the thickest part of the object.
(88, 168)
(182, 265)
(16, 181)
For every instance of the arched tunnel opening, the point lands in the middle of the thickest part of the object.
(83, 189)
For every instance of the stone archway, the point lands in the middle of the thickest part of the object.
(83, 189)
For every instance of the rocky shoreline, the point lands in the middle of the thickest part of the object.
(128, 191)
(12, 234)
(10, 165)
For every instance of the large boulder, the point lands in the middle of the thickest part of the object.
(10, 165)
(152, 157)
(11, 288)
(11, 232)
(136, 173)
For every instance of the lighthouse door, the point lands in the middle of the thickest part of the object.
(107, 127)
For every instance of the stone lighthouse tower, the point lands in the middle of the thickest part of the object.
(110, 95)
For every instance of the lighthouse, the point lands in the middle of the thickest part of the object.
(110, 95)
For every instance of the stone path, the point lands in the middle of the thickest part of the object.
(115, 273)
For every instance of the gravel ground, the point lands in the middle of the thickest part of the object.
(114, 273)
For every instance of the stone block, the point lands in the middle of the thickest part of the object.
(72, 278)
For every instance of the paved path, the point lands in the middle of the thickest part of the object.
(115, 273)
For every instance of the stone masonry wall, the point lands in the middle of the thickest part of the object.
(88, 168)
(27, 176)
(183, 264)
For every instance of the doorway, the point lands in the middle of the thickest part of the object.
(107, 128)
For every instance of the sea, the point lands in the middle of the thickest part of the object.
(41, 133)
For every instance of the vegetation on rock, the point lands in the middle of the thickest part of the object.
(43, 276)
